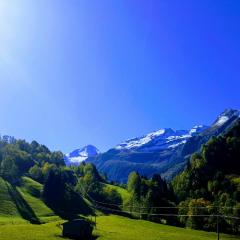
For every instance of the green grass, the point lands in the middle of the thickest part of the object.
(31, 192)
(109, 228)
(8, 207)
(23, 202)
(119, 228)
(4, 220)
(28, 231)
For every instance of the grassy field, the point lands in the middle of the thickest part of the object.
(27, 231)
(109, 228)
(7, 204)
(118, 228)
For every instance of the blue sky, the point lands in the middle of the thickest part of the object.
(78, 72)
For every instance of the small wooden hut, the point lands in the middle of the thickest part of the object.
(78, 229)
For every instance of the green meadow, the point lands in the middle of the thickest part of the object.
(108, 228)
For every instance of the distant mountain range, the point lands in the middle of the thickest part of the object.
(165, 151)
(162, 139)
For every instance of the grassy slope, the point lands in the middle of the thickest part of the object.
(31, 191)
(7, 205)
(109, 228)
(25, 197)
(8, 208)
(24, 202)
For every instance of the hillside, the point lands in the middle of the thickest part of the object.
(23, 203)
(8, 208)
(211, 181)
(26, 204)
(31, 193)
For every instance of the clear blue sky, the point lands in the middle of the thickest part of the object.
(75, 72)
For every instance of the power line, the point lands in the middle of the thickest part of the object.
(168, 215)
(132, 206)
(159, 214)
(96, 205)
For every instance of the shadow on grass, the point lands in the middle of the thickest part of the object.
(71, 208)
(22, 206)
(116, 211)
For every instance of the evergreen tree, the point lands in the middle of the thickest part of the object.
(9, 170)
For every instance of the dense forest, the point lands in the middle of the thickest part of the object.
(212, 180)
(209, 186)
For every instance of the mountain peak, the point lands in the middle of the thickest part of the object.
(81, 154)
(230, 111)
(91, 148)
(225, 116)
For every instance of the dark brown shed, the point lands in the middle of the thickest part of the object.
(78, 229)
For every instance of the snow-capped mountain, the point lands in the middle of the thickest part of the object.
(160, 139)
(79, 155)
(165, 151)
(225, 116)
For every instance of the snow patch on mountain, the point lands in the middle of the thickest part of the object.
(79, 155)
(221, 120)
(225, 116)
(160, 139)
(196, 129)
(177, 144)
(137, 142)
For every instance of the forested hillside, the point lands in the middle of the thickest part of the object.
(36, 181)
(18, 156)
(211, 182)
